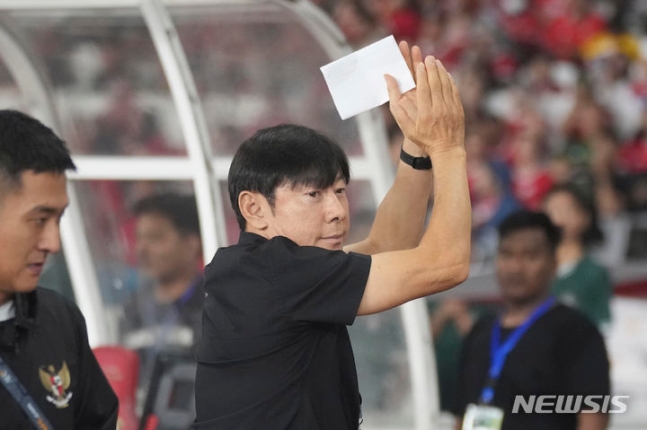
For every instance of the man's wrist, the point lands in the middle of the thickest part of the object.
(450, 153)
(410, 147)
(418, 163)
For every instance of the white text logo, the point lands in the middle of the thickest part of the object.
(554, 404)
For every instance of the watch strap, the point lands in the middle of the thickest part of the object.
(418, 163)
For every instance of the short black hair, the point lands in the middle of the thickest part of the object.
(284, 154)
(180, 209)
(593, 234)
(525, 219)
(27, 144)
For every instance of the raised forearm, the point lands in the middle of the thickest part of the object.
(433, 119)
(448, 233)
(400, 218)
(441, 261)
(436, 123)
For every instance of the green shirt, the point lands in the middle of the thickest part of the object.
(587, 287)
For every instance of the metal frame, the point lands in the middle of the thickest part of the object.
(80, 265)
(193, 124)
(133, 168)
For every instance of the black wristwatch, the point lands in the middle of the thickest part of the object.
(418, 163)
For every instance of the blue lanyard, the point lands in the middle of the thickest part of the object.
(499, 352)
(20, 394)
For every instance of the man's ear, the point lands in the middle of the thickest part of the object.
(252, 208)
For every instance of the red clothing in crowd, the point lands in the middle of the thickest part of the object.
(565, 34)
(531, 187)
(632, 157)
(404, 24)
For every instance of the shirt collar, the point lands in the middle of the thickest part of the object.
(7, 311)
(247, 238)
(22, 308)
(24, 319)
(26, 304)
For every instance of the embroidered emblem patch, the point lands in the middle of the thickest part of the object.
(56, 382)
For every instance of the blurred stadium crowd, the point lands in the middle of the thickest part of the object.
(554, 91)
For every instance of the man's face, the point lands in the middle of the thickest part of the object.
(310, 216)
(29, 230)
(163, 252)
(525, 265)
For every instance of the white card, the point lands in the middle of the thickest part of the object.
(481, 417)
(356, 81)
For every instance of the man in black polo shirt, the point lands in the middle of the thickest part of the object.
(275, 351)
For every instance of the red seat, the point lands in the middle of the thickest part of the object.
(121, 367)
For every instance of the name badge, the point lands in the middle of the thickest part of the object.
(481, 417)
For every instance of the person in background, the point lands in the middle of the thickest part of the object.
(451, 319)
(535, 346)
(492, 201)
(581, 282)
(49, 376)
(164, 314)
(357, 23)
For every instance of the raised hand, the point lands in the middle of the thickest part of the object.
(412, 57)
(432, 114)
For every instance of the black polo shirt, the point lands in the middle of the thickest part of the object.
(275, 352)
